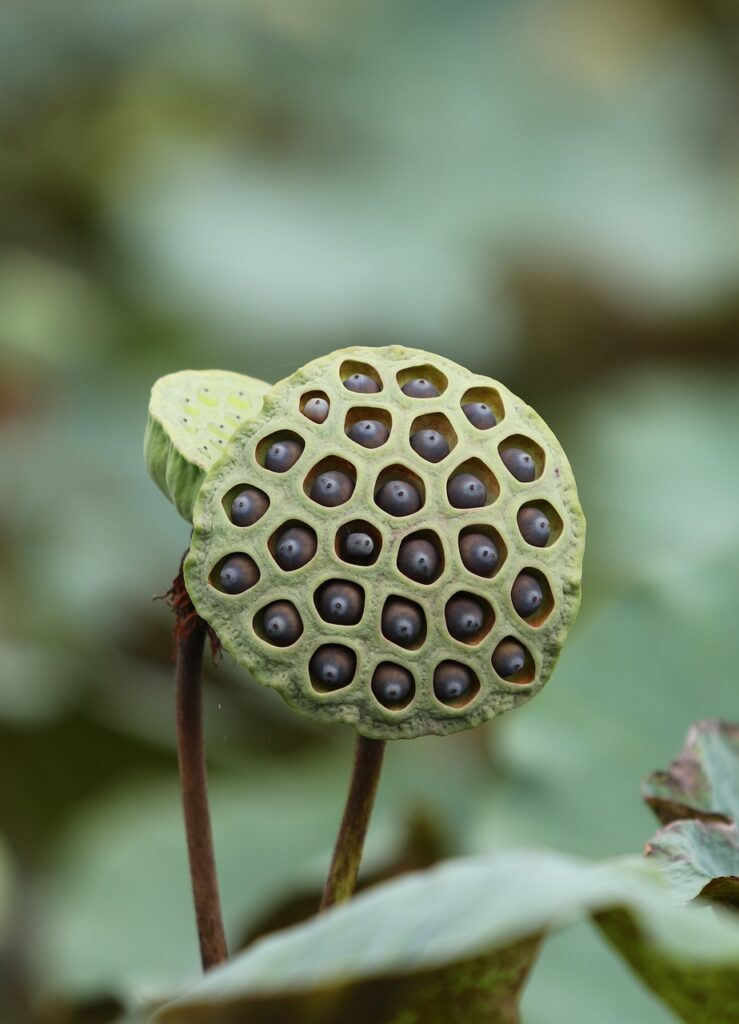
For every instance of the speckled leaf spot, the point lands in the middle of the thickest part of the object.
(410, 577)
(192, 415)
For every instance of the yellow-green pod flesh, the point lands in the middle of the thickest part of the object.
(192, 415)
(362, 695)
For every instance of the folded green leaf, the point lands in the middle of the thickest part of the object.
(699, 859)
(703, 782)
(192, 414)
(455, 944)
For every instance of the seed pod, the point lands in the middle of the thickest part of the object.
(238, 573)
(249, 506)
(430, 445)
(465, 490)
(480, 415)
(418, 560)
(479, 554)
(282, 624)
(526, 595)
(362, 384)
(295, 547)
(399, 498)
(392, 685)
(332, 666)
(534, 526)
(403, 622)
(332, 488)
(341, 603)
(316, 409)
(283, 454)
(414, 562)
(369, 433)
(519, 464)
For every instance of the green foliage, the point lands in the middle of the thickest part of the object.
(455, 943)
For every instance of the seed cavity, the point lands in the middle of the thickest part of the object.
(332, 668)
(455, 685)
(235, 574)
(404, 623)
(340, 602)
(293, 545)
(245, 505)
(421, 557)
(393, 686)
(279, 624)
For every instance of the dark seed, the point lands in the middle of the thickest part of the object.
(534, 526)
(295, 548)
(341, 603)
(451, 681)
(402, 622)
(464, 617)
(283, 455)
(282, 624)
(332, 488)
(398, 498)
(480, 415)
(316, 409)
(509, 658)
(526, 594)
(392, 685)
(430, 445)
(369, 433)
(420, 388)
(333, 667)
(418, 560)
(249, 506)
(479, 554)
(238, 573)
(358, 547)
(362, 383)
(519, 464)
(466, 491)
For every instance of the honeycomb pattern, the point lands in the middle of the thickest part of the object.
(402, 594)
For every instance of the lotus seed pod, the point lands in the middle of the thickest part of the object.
(430, 445)
(369, 433)
(386, 599)
(192, 414)
(519, 463)
(248, 506)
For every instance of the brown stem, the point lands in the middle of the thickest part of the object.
(342, 876)
(189, 646)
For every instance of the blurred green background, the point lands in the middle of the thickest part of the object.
(544, 190)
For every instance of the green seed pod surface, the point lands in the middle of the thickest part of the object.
(557, 565)
(192, 415)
